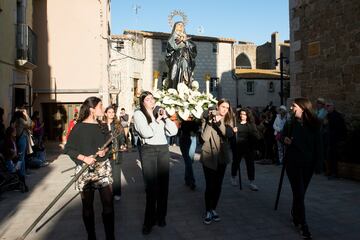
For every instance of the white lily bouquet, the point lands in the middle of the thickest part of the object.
(184, 102)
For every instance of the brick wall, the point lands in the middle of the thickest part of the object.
(325, 52)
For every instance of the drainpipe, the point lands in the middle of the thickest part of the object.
(233, 75)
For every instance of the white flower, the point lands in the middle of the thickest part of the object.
(167, 100)
(197, 112)
(184, 101)
(157, 94)
(195, 85)
(182, 89)
(170, 110)
(184, 114)
(172, 91)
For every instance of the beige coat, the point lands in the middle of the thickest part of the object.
(214, 150)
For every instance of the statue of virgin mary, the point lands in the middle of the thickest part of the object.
(180, 56)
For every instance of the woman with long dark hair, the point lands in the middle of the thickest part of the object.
(153, 125)
(303, 155)
(87, 136)
(217, 128)
(247, 136)
(118, 145)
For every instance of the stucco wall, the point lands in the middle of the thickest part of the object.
(73, 51)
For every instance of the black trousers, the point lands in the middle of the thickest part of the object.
(185, 144)
(116, 174)
(155, 167)
(249, 161)
(214, 179)
(299, 177)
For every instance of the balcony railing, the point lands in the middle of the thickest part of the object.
(26, 42)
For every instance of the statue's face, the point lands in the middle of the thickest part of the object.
(179, 27)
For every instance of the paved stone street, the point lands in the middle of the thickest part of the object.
(332, 206)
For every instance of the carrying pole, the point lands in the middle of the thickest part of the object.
(280, 183)
(37, 220)
(52, 216)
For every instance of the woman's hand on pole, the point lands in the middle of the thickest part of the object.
(101, 153)
(89, 160)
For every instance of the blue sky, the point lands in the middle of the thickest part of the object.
(243, 20)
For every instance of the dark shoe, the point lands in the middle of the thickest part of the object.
(161, 223)
(146, 230)
(332, 177)
(208, 218)
(192, 186)
(108, 220)
(294, 219)
(305, 233)
(89, 222)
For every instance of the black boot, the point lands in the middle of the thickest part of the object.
(147, 227)
(305, 233)
(108, 220)
(23, 187)
(89, 222)
(295, 220)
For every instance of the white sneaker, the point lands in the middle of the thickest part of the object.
(208, 218)
(233, 181)
(253, 187)
(117, 197)
(215, 216)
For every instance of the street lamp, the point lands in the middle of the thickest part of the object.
(281, 60)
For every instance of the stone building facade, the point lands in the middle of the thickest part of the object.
(325, 52)
(325, 62)
(258, 78)
(137, 55)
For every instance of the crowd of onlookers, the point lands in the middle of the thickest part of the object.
(21, 148)
(270, 123)
(21, 142)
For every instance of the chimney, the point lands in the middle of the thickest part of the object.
(275, 49)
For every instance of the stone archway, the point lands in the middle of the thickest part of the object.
(243, 61)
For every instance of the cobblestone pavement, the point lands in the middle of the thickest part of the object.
(333, 210)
